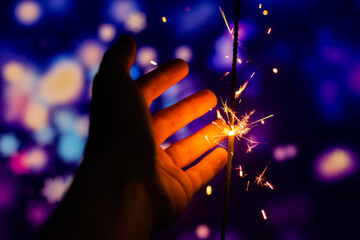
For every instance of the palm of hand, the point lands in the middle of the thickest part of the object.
(175, 187)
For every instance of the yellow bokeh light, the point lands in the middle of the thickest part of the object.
(28, 12)
(36, 116)
(62, 84)
(13, 72)
(265, 12)
(164, 19)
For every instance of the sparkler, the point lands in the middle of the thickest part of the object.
(231, 133)
(236, 127)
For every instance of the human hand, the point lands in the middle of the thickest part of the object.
(126, 178)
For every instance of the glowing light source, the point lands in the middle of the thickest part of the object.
(35, 159)
(145, 55)
(153, 62)
(55, 188)
(208, 190)
(106, 32)
(335, 164)
(265, 12)
(13, 72)
(44, 136)
(37, 213)
(82, 126)
(241, 174)
(269, 31)
(36, 116)
(136, 22)
(164, 19)
(202, 231)
(184, 52)
(275, 70)
(282, 153)
(260, 6)
(28, 12)
(70, 147)
(9, 144)
(62, 83)
(90, 53)
(263, 214)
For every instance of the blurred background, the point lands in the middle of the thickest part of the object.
(307, 73)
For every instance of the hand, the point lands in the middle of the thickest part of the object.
(126, 179)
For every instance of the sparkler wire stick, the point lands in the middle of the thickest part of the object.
(231, 137)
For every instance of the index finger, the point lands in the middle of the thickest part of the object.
(154, 83)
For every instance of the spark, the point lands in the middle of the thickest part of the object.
(269, 31)
(241, 125)
(231, 31)
(275, 70)
(242, 88)
(241, 173)
(247, 187)
(261, 179)
(226, 22)
(269, 185)
(226, 56)
(153, 62)
(264, 214)
(249, 149)
(239, 60)
(208, 190)
(260, 6)
(262, 122)
(227, 73)
(265, 12)
(164, 19)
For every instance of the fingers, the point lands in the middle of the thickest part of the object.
(207, 168)
(120, 56)
(187, 150)
(169, 120)
(157, 81)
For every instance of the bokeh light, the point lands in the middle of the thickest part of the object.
(14, 72)
(335, 164)
(35, 159)
(183, 52)
(90, 53)
(9, 144)
(44, 136)
(145, 55)
(202, 231)
(107, 32)
(283, 153)
(37, 213)
(55, 188)
(36, 116)
(70, 147)
(28, 12)
(62, 84)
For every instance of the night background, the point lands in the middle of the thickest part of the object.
(50, 51)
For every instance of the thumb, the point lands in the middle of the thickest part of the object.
(120, 56)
